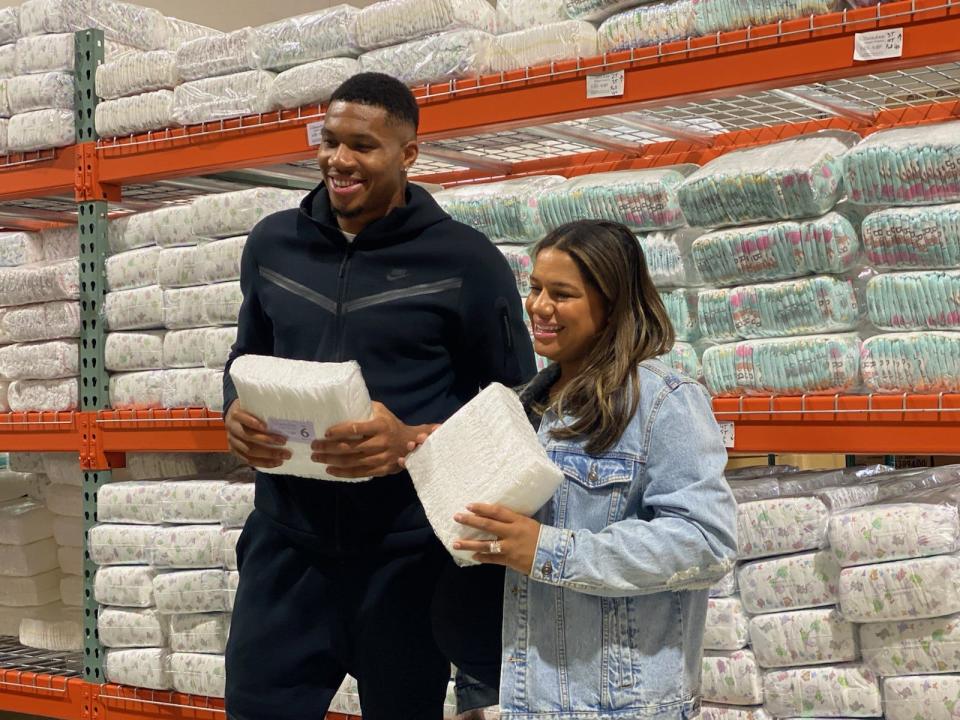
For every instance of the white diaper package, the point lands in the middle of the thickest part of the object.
(64, 500)
(132, 627)
(23, 521)
(184, 348)
(59, 629)
(125, 586)
(20, 248)
(221, 98)
(54, 90)
(301, 401)
(70, 559)
(235, 503)
(732, 678)
(803, 637)
(179, 267)
(727, 625)
(140, 309)
(30, 559)
(230, 538)
(219, 342)
(471, 458)
(219, 260)
(139, 667)
(912, 647)
(732, 712)
(137, 72)
(40, 361)
(43, 395)
(216, 55)
(40, 283)
(68, 531)
(198, 674)
(295, 41)
(390, 22)
(225, 215)
(40, 130)
(137, 390)
(137, 114)
(191, 591)
(63, 469)
(114, 544)
(46, 321)
(789, 582)
(187, 546)
(134, 351)
(39, 589)
(312, 83)
(188, 502)
(848, 690)
(136, 501)
(188, 387)
(902, 590)
(199, 633)
(151, 466)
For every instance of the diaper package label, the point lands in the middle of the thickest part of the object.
(294, 430)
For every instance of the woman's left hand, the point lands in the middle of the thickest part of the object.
(516, 534)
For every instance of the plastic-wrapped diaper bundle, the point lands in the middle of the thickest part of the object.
(231, 536)
(902, 590)
(44, 395)
(732, 678)
(435, 59)
(184, 348)
(235, 503)
(54, 53)
(596, 10)
(814, 636)
(681, 308)
(137, 114)
(906, 166)
(150, 466)
(138, 309)
(60, 243)
(513, 15)
(515, 471)
(187, 387)
(789, 582)
(20, 248)
(812, 364)
(66, 500)
(27, 560)
(219, 261)
(845, 690)
(913, 238)
(132, 269)
(931, 697)
(781, 525)
(796, 178)
(125, 585)
(220, 303)
(46, 321)
(219, 342)
(26, 93)
(220, 98)
(920, 362)
(732, 712)
(232, 582)
(40, 282)
(41, 129)
(191, 501)
(920, 300)
(505, 211)
(29, 570)
(312, 83)
(137, 390)
(391, 22)
(668, 256)
(190, 591)
(170, 226)
(136, 502)
(181, 31)
(139, 667)
(113, 544)
(40, 361)
(643, 200)
(198, 674)
(215, 55)
(8, 60)
(794, 307)
(130, 232)
(186, 546)
(543, 44)
(9, 24)
(199, 632)
(4, 126)
(684, 358)
(319, 35)
(131, 627)
(225, 215)
(301, 400)
(179, 267)
(135, 73)
(912, 647)
(727, 625)
(55, 627)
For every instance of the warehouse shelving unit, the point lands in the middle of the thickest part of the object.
(674, 103)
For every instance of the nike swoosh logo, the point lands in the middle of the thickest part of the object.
(396, 274)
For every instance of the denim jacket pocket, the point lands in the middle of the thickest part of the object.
(588, 481)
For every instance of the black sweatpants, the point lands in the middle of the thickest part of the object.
(302, 620)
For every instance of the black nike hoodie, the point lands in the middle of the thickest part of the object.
(429, 309)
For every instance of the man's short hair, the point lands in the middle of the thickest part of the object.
(382, 91)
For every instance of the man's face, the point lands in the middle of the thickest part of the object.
(363, 156)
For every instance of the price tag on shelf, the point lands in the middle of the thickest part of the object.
(314, 133)
(728, 433)
(878, 45)
(605, 85)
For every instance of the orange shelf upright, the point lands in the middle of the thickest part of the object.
(852, 424)
(45, 695)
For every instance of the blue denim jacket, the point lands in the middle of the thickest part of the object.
(610, 622)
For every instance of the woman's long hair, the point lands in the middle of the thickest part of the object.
(603, 398)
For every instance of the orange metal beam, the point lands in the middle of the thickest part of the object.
(39, 431)
(38, 178)
(43, 695)
(119, 702)
(891, 424)
(180, 430)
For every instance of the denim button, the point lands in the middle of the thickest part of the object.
(592, 475)
(547, 569)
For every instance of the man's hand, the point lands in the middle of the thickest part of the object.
(251, 442)
(371, 448)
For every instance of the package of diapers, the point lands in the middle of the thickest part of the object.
(727, 624)
(63, 469)
(198, 674)
(391, 22)
(911, 362)
(668, 256)
(64, 500)
(133, 351)
(543, 44)
(225, 215)
(505, 211)
(912, 647)
(219, 261)
(113, 544)
(797, 178)
(777, 250)
(125, 586)
(40, 361)
(188, 387)
(513, 15)
(803, 637)
(780, 525)
(596, 10)
(847, 690)
(230, 538)
(9, 24)
(68, 531)
(138, 114)
(913, 238)
(184, 348)
(191, 591)
(219, 343)
(181, 31)
(235, 503)
(137, 390)
(20, 248)
(233, 582)
(139, 667)
(681, 306)
(326, 33)
(43, 395)
(132, 269)
(139, 309)
(731, 678)
(169, 226)
(56, 630)
(921, 300)
(23, 521)
(191, 501)
(903, 590)
(435, 59)
(905, 166)
(38, 589)
(312, 83)
(30, 559)
(15, 485)
(790, 582)
(199, 632)
(732, 712)
(511, 467)
(211, 388)
(812, 364)
(134, 501)
(8, 60)
(187, 546)
(301, 400)
(179, 267)
(684, 358)
(71, 590)
(643, 200)
(70, 559)
(930, 697)
(26, 93)
(40, 130)
(46, 321)
(40, 282)
(221, 98)
(152, 466)
(131, 627)
(216, 55)
(137, 72)
(184, 308)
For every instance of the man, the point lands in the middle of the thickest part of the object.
(339, 577)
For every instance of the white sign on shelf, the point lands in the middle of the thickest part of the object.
(878, 45)
(314, 133)
(728, 433)
(605, 85)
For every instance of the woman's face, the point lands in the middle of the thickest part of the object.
(567, 312)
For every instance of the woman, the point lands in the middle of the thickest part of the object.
(606, 589)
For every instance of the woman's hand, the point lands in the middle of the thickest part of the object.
(516, 534)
